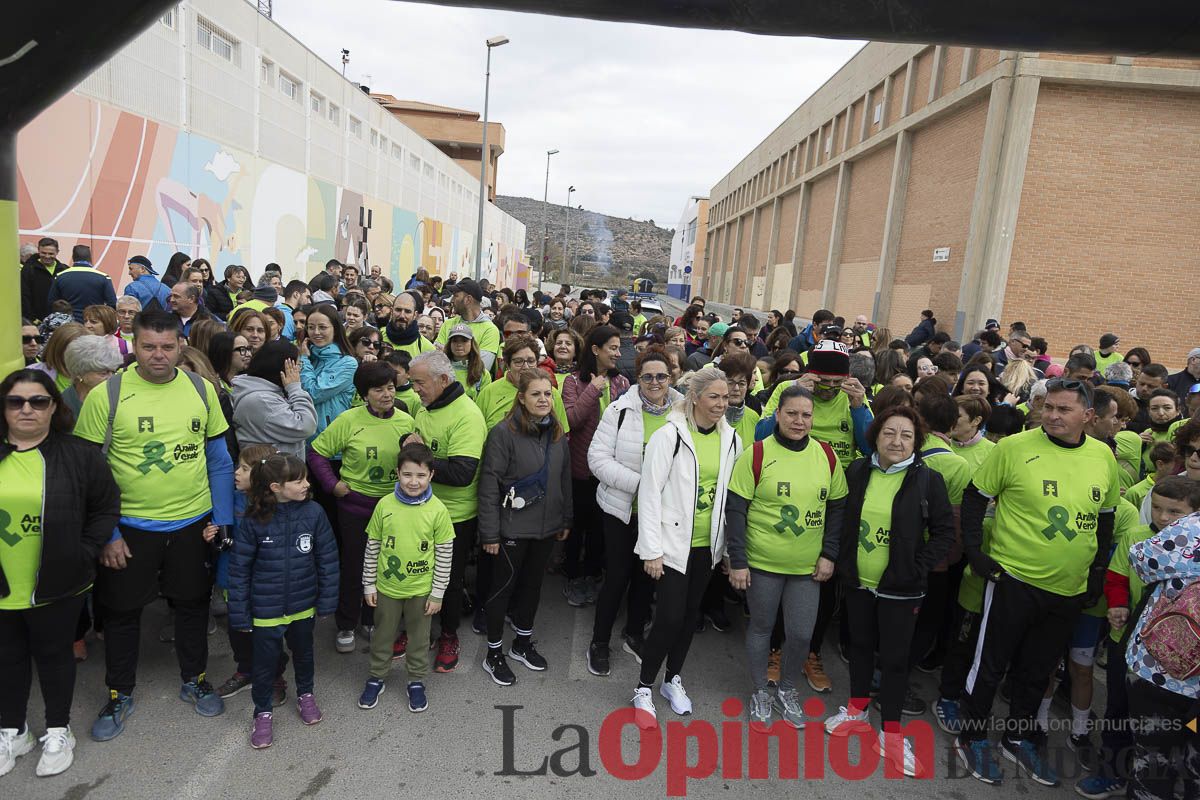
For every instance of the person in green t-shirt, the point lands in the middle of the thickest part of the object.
(452, 426)
(404, 391)
(497, 398)
(405, 573)
(783, 516)
(1056, 490)
(468, 364)
(401, 333)
(1162, 408)
(739, 368)
(368, 439)
(966, 438)
(466, 302)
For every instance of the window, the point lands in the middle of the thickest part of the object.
(266, 73)
(428, 171)
(374, 138)
(397, 152)
(218, 42)
(414, 162)
(334, 114)
(168, 18)
(356, 127)
(317, 104)
(289, 86)
(383, 144)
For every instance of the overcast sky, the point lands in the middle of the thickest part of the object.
(643, 116)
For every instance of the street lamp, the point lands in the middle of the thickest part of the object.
(566, 235)
(495, 41)
(545, 232)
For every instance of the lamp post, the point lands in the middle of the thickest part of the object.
(545, 212)
(495, 41)
(566, 236)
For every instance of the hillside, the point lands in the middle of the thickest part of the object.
(602, 249)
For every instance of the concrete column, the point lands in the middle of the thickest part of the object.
(729, 276)
(772, 251)
(970, 58)
(892, 224)
(841, 202)
(745, 272)
(935, 75)
(802, 208)
(864, 124)
(888, 88)
(910, 76)
(846, 128)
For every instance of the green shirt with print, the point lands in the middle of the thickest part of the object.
(832, 422)
(159, 436)
(875, 525)
(974, 454)
(22, 490)
(455, 429)
(497, 399)
(408, 536)
(369, 446)
(708, 454)
(953, 468)
(785, 523)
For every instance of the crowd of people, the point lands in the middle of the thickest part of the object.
(1007, 515)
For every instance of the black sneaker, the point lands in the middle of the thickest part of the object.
(931, 663)
(912, 706)
(597, 658)
(633, 645)
(844, 652)
(718, 619)
(1084, 750)
(479, 622)
(528, 655)
(495, 665)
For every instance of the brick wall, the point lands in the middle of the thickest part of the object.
(951, 69)
(870, 180)
(897, 103)
(985, 60)
(816, 237)
(1106, 238)
(923, 72)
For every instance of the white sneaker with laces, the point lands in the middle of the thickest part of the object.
(13, 745)
(901, 754)
(58, 752)
(846, 721)
(674, 692)
(643, 700)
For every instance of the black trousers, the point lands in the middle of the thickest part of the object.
(174, 564)
(587, 537)
(517, 573)
(932, 619)
(677, 609)
(352, 547)
(1115, 737)
(1024, 630)
(38, 636)
(1165, 750)
(242, 645)
(625, 579)
(452, 604)
(960, 653)
(826, 606)
(268, 651)
(883, 625)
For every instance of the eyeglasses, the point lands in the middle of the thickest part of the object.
(521, 363)
(32, 339)
(374, 344)
(738, 384)
(1134, 363)
(245, 350)
(658, 377)
(587, 312)
(1081, 388)
(205, 270)
(740, 342)
(380, 307)
(39, 402)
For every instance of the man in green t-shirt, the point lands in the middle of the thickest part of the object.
(452, 426)
(166, 447)
(1056, 490)
(466, 303)
(401, 333)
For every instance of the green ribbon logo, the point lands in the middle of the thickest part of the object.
(10, 538)
(787, 519)
(1058, 517)
(394, 568)
(864, 536)
(153, 453)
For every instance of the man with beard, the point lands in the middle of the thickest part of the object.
(466, 302)
(401, 331)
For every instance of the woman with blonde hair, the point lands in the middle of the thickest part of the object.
(54, 354)
(252, 325)
(1018, 377)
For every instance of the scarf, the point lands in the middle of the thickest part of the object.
(564, 369)
(653, 410)
(734, 414)
(408, 500)
(398, 335)
(974, 440)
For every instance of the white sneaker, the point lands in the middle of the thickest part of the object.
(903, 758)
(846, 721)
(58, 752)
(680, 703)
(760, 710)
(643, 700)
(344, 643)
(13, 745)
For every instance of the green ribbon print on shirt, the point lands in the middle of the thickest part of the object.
(1058, 518)
(864, 536)
(10, 538)
(153, 452)
(394, 568)
(788, 515)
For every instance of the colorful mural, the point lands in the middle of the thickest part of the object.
(94, 174)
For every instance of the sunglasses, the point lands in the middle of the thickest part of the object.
(39, 402)
(658, 377)
(1134, 363)
(243, 350)
(32, 339)
(374, 344)
(740, 342)
(381, 306)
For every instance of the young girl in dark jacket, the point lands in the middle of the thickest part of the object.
(283, 573)
(524, 506)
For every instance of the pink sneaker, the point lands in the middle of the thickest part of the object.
(309, 713)
(263, 734)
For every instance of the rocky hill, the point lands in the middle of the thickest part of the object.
(601, 249)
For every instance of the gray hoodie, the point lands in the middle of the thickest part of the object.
(265, 414)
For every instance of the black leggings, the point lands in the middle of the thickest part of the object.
(676, 612)
(825, 609)
(40, 636)
(464, 542)
(883, 625)
(588, 535)
(622, 570)
(517, 573)
(352, 548)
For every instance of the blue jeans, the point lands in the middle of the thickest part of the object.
(268, 647)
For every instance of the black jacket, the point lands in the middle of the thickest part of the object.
(508, 457)
(35, 288)
(217, 300)
(80, 508)
(910, 557)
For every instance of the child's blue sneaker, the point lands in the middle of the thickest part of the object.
(417, 701)
(1098, 787)
(948, 716)
(200, 693)
(370, 694)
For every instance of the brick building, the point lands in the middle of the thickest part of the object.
(1056, 189)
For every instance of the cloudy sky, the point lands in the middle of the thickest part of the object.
(642, 116)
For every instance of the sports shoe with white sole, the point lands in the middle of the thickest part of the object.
(676, 695)
(13, 745)
(846, 722)
(898, 750)
(643, 700)
(58, 752)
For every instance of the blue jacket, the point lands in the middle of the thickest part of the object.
(328, 377)
(284, 566)
(805, 340)
(82, 285)
(147, 288)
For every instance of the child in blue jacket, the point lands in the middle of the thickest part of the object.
(283, 573)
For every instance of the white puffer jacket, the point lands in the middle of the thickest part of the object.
(667, 495)
(615, 454)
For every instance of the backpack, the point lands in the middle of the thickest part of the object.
(1172, 633)
(113, 385)
(757, 459)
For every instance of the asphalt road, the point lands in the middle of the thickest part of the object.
(457, 747)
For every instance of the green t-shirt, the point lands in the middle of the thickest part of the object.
(832, 422)
(1136, 494)
(875, 525)
(638, 322)
(1048, 502)
(411, 400)
(650, 424)
(708, 454)
(974, 454)
(460, 374)
(785, 523)
(953, 468)
(408, 537)
(1158, 437)
(22, 485)
(455, 429)
(421, 345)
(1103, 362)
(1126, 519)
(1127, 535)
(745, 427)
(497, 398)
(369, 447)
(159, 435)
(1129, 458)
(487, 336)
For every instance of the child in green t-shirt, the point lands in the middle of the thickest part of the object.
(410, 544)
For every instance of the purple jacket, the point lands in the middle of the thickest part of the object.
(582, 401)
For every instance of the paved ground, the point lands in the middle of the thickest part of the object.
(454, 749)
